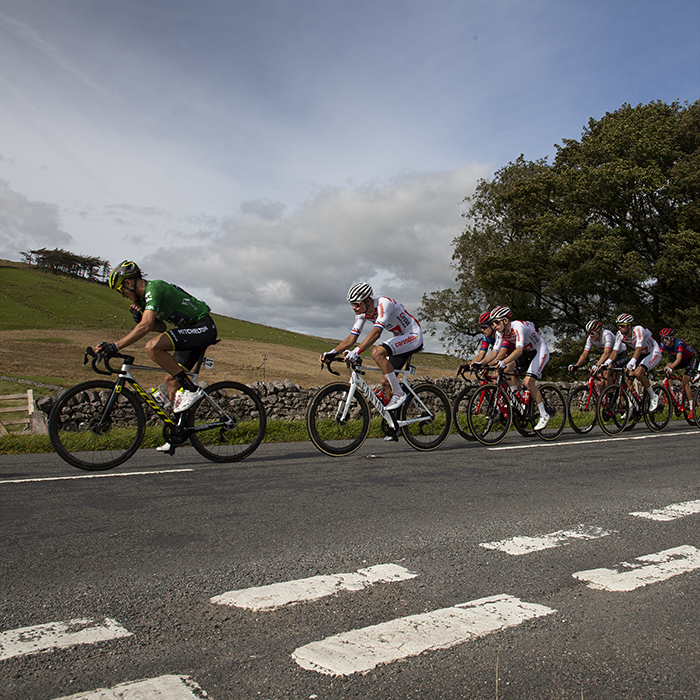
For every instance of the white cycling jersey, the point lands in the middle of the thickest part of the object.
(641, 338)
(606, 340)
(390, 315)
(523, 334)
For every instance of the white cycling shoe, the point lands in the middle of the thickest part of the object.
(653, 403)
(165, 447)
(542, 422)
(186, 399)
(396, 402)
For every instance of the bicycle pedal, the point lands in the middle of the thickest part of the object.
(391, 438)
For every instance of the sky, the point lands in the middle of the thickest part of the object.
(265, 155)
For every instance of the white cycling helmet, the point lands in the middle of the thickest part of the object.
(593, 326)
(500, 313)
(359, 292)
(624, 319)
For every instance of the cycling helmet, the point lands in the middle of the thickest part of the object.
(485, 318)
(359, 292)
(624, 319)
(667, 333)
(126, 270)
(593, 326)
(500, 313)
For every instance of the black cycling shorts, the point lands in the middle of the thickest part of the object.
(188, 341)
(398, 361)
(691, 365)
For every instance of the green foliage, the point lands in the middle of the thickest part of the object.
(613, 224)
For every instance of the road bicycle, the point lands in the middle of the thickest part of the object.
(338, 417)
(620, 404)
(493, 408)
(674, 387)
(99, 424)
(582, 404)
(460, 407)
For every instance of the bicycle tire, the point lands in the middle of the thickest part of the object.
(331, 435)
(555, 405)
(696, 410)
(678, 386)
(488, 422)
(524, 423)
(613, 410)
(426, 435)
(74, 432)
(245, 425)
(460, 413)
(659, 419)
(582, 406)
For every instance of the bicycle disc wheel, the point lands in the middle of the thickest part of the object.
(613, 409)
(555, 405)
(489, 415)
(460, 412)
(236, 422)
(582, 410)
(337, 429)
(432, 413)
(658, 420)
(91, 435)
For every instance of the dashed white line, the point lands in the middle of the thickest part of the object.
(93, 476)
(52, 635)
(161, 688)
(364, 649)
(649, 569)
(517, 546)
(589, 441)
(672, 512)
(277, 595)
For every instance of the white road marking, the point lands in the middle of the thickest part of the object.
(651, 568)
(675, 510)
(589, 441)
(525, 545)
(161, 688)
(277, 595)
(361, 650)
(94, 476)
(52, 635)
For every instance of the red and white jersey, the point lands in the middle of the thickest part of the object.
(640, 338)
(388, 315)
(606, 340)
(505, 340)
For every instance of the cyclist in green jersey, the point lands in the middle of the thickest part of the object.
(153, 304)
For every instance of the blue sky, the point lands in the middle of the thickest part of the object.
(265, 155)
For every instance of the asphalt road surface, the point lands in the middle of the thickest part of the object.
(530, 571)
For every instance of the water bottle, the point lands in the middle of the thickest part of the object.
(382, 396)
(161, 399)
(526, 397)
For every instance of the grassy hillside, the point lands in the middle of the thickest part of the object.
(40, 300)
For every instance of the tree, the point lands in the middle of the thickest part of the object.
(613, 224)
(63, 262)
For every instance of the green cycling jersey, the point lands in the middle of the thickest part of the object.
(172, 303)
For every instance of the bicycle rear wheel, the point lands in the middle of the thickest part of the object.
(582, 410)
(337, 429)
(235, 419)
(90, 432)
(613, 410)
(460, 411)
(490, 414)
(432, 407)
(555, 405)
(658, 420)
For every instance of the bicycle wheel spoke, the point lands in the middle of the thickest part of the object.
(430, 415)
(582, 410)
(555, 405)
(489, 415)
(658, 419)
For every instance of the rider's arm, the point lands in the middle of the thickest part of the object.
(368, 342)
(149, 324)
(582, 360)
(676, 362)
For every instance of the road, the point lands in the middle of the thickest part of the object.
(503, 560)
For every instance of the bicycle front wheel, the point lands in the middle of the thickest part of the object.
(613, 410)
(490, 414)
(555, 405)
(230, 424)
(335, 426)
(460, 412)
(658, 420)
(94, 428)
(582, 410)
(430, 414)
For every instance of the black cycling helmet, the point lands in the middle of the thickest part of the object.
(126, 270)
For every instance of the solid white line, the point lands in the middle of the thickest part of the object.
(94, 476)
(161, 688)
(525, 545)
(590, 441)
(29, 640)
(277, 595)
(361, 650)
(659, 567)
(672, 512)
